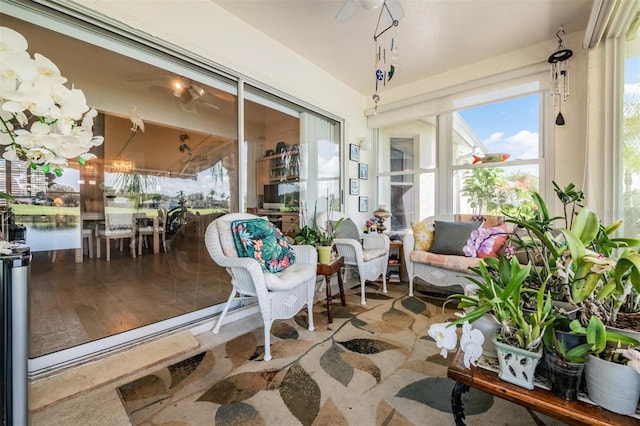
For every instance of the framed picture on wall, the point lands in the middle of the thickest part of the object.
(363, 205)
(354, 152)
(354, 186)
(363, 171)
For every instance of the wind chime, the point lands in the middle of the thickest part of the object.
(559, 61)
(385, 60)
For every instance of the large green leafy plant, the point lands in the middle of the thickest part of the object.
(578, 256)
(498, 292)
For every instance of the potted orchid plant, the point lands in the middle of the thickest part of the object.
(612, 370)
(498, 293)
(42, 122)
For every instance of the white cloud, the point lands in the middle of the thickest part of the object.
(522, 145)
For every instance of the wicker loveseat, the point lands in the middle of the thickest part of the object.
(446, 270)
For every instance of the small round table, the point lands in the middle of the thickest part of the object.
(328, 270)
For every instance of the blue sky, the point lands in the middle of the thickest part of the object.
(632, 78)
(510, 126)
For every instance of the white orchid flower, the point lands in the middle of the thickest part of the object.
(30, 98)
(471, 344)
(12, 41)
(446, 337)
(39, 155)
(88, 156)
(48, 70)
(58, 162)
(34, 89)
(10, 154)
(633, 358)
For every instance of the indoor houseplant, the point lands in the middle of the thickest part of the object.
(42, 121)
(583, 263)
(612, 370)
(564, 358)
(519, 336)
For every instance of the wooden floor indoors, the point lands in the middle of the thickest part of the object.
(74, 303)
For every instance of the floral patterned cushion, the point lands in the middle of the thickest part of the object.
(423, 235)
(447, 261)
(486, 242)
(261, 240)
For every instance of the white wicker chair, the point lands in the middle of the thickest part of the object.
(280, 295)
(369, 256)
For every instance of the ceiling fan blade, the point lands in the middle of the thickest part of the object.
(210, 105)
(347, 10)
(395, 8)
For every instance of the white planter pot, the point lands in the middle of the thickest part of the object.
(517, 365)
(612, 386)
(488, 326)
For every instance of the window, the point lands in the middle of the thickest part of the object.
(484, 158)
(630, 140)
(406, 178)
(194, 160)
(496, 150)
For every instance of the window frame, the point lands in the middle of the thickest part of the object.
(533, 80)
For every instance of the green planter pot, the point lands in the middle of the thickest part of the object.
(517, 365)
(324, 254)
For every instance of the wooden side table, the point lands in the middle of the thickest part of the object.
(328, 270)
(396, 247)
(538, 399)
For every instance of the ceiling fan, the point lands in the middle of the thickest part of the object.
(349, 8)
(189, 94)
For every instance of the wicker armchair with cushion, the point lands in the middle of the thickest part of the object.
(263, 265)
(368, 254)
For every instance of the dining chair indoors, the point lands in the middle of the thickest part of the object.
(119, 223)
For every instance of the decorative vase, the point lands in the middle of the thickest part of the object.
(382, 214)
(324, 254)
(517, 365)
(612, 386)
(565, 376)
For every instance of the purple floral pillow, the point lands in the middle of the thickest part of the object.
(486, 242)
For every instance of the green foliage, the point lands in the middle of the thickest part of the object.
(135, 183)
(489, 190)
(305, 235)
(480, 186)
(316, 236)
(581, 253)
(499, 292)
(599, 338)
